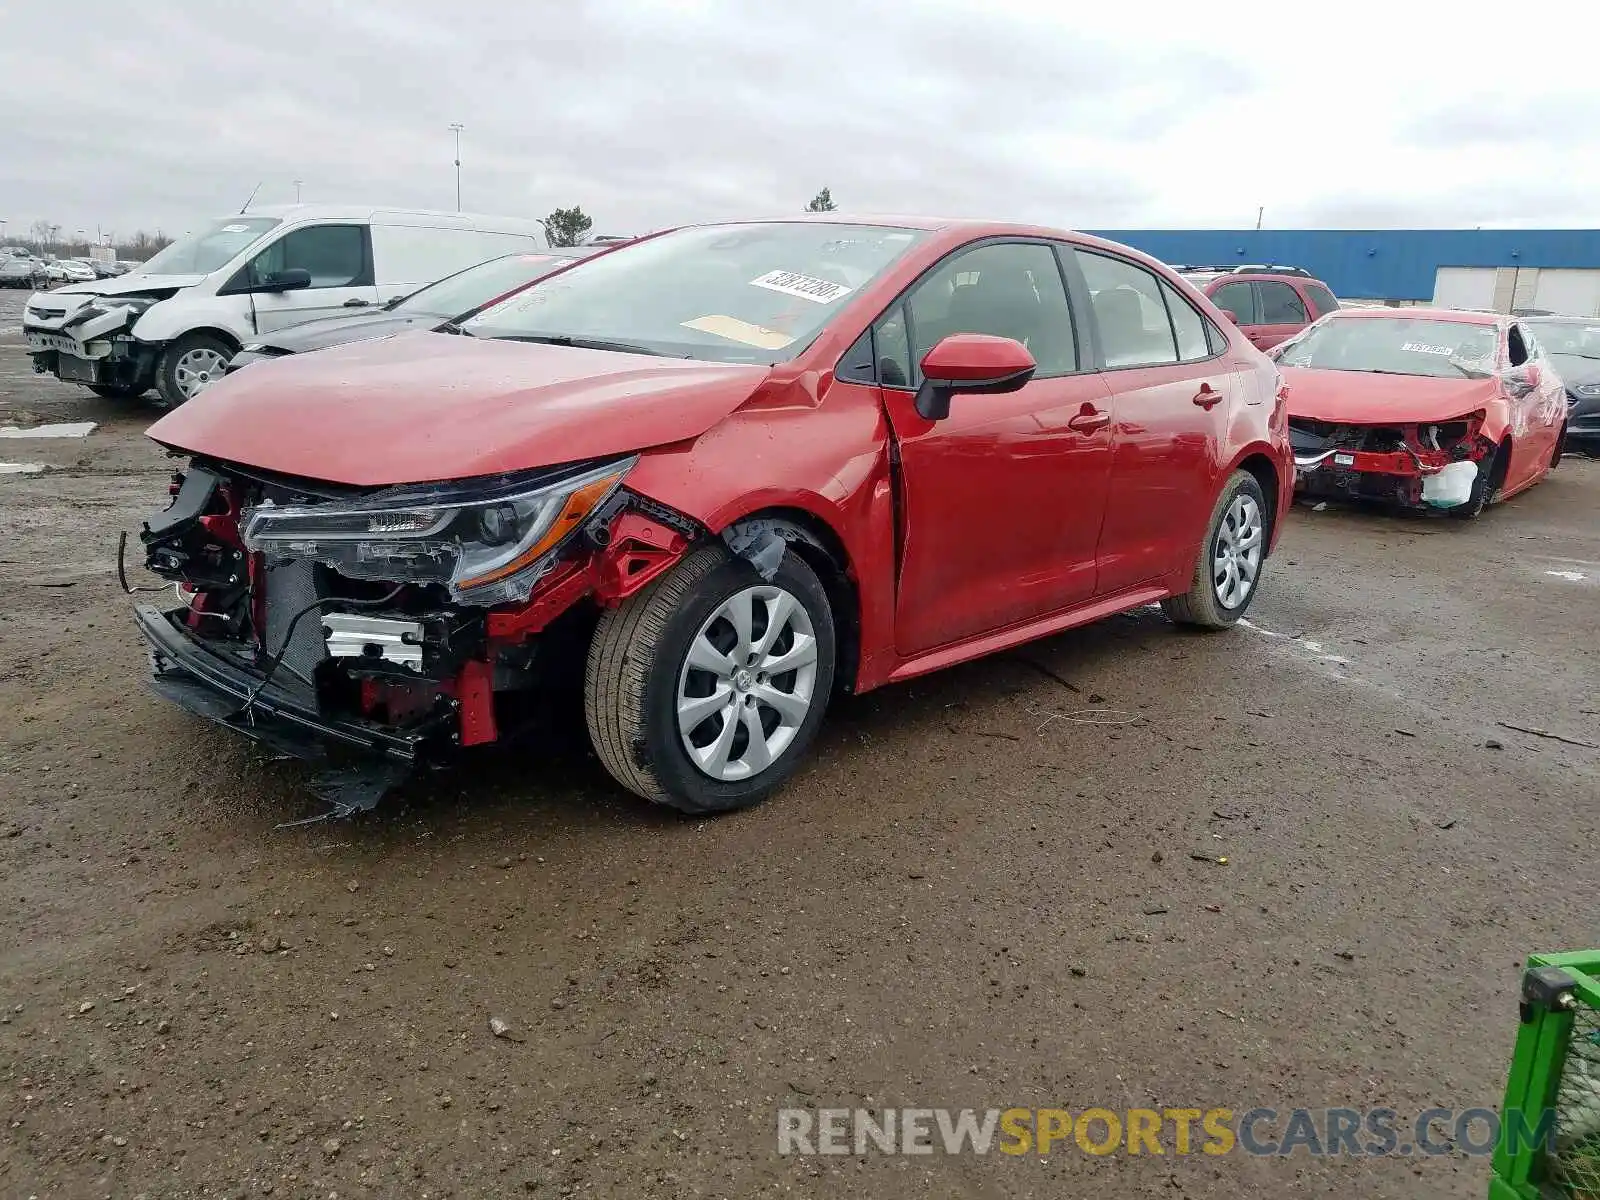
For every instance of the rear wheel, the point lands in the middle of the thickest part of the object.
(704, 691)
(1231, 559)
(190, 365)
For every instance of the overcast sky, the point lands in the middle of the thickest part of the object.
(163, 113)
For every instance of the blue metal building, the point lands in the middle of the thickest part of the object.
(1375, 264)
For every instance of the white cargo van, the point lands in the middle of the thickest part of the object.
(174, 324)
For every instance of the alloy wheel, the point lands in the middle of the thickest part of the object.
(1236, 553)
(747, 683)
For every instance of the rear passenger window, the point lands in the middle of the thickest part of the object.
(1187, 325)
(1135, 330)
(1322, 299)
(1239, 299)
(1280, 304)
(1006, 289)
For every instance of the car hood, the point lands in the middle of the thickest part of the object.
(336, 331)
(423, 407)
(121, 285)
(1363, 398)
(1575, 371)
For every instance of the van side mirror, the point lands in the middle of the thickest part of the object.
(972, 363)
(1231, 315)
(291, 280)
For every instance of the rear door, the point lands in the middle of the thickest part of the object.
(339, 261)
(1238, 297)
(1002, 500)
(1173, 389)
(1281, 313)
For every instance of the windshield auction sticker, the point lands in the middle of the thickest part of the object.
(806, 287)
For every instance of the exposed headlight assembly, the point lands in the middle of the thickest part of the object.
(488, 544)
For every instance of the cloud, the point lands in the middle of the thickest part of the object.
(654, 112)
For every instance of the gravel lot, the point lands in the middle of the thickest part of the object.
(968, 899)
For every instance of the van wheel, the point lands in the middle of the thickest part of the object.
(704, 691)
(190, 365)
(1231, 559)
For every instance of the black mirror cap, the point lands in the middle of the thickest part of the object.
(292, 280)
(933, 397)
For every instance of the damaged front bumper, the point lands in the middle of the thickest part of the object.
(1392, 464)
(211, 684)
(90, 344)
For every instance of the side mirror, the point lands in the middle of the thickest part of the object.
(1231, 315)
(1524, 379)
(971, 363)
(291, 280)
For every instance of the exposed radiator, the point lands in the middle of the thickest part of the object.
(291, 584)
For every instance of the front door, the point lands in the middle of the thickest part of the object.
(1172, 386)
(339, 261)
(1003, 499)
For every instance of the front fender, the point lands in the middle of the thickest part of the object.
(183, 313)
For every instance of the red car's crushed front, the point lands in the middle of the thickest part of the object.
(1418, 407)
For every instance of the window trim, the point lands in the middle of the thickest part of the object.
(1177, 360)
(901, 300)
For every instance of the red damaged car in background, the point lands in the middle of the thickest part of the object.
(1425, 408)
(722, 472)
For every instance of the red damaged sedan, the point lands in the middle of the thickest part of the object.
(1425, 408)
(722, 472)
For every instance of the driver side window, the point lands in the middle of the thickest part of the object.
(1006, 289)
(335, 256)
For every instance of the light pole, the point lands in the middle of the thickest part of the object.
(297, 184)
(457, 128)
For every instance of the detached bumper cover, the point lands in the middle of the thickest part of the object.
(210, 685)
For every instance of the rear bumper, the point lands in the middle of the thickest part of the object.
(208, 684)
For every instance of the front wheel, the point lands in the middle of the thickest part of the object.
(190, 365)
(1231, 558)
(704, 691)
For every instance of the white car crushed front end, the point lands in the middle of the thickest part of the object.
(83, 333)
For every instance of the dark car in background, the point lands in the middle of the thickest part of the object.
(454, 297)
(1573, 345)
(21, 271)
(1270, 303)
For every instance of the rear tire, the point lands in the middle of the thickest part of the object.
(190, 365)
(641, 686)
(1235, 546)
(114, 392)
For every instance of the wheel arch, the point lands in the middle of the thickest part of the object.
(823, 550)
(1265, 472)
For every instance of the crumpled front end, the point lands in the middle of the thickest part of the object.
(1416, 464)
(81, 337)
(402, 623)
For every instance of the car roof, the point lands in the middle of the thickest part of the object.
(1460, 316)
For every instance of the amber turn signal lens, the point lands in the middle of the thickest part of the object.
(578, 506)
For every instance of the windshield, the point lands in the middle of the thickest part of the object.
(476, 286)
(1573, 339)
(204, 252)
(752, 293)
(1395, 346)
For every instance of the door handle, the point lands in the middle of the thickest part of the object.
(355, 302)
(1207, 398)
(1089, 420)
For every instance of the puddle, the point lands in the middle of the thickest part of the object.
(20, 468)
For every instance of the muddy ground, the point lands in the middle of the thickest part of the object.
(968, 899)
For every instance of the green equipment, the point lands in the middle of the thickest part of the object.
(1549, 1147)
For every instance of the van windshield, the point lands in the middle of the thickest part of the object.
(203, 252)
(750, 293)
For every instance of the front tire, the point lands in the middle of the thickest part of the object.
(190, 365)
(704, 691)
(1231, 559)
(1486, 487)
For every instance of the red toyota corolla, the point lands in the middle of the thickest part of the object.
(1422, 407)
(728, 470)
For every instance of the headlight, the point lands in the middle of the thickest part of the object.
(1588, 390)
(488, 544)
